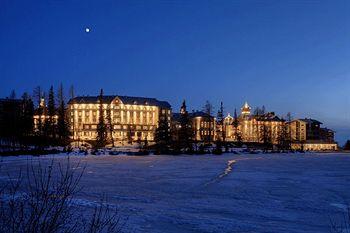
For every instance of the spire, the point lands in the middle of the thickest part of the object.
(183, 108)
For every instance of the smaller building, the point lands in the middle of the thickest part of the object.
(307, 134)
(202, 124)
(253, 128)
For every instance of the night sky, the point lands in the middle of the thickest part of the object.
(291, 56)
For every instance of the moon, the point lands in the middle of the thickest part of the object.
(87, 30)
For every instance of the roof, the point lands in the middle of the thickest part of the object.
(311, 121)
(270, 116)
(125, 100)
(177, 116)
(328, 130)
(200, 114)
(91, 99)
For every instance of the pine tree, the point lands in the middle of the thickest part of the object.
(220, 122)
(208, 109)
(12, 95)
(185, 131)
(282, 136)
(50, 123)
(265, 136)
(347, 145)
(101, 139)
(71, 96)
(38, 95)
(237, 133)
(289, 133)
(63, 126)
(110, 124)
(220, 115)
(129, 135)
(257, 111)
(26, 123)
(163, 134)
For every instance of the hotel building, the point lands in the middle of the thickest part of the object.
(307, 134)
(252, 127)
(202, 124)
(134, 118)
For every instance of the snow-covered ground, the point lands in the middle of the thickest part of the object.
(228, 193)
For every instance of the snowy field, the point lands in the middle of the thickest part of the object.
(228, 193)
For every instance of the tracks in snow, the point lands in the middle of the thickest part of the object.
(227, 171)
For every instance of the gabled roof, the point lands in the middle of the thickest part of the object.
(125, 100)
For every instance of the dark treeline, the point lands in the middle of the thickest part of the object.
(34, 121)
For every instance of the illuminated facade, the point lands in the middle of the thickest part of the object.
(307, 134)
(252, 127)
(203, 126)
(131, 118)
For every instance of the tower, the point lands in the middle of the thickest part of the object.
(245, 110)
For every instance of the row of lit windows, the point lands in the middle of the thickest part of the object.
(117, 113)
(205, 124)
(91, 135)
(107, 106)
(205, 132)
(125, 127)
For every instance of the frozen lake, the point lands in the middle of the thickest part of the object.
(228, 193)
